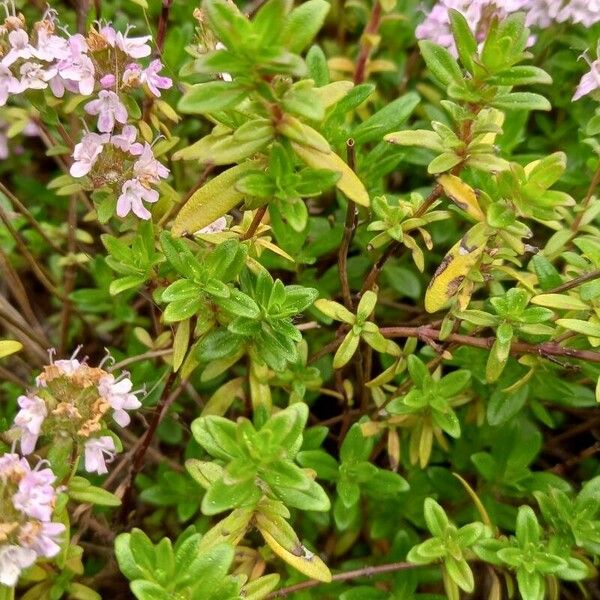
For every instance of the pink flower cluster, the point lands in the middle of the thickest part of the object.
(72, 398)
(479, 13)
(106, 65)
(135, 163)
(27, 532)
(73, 62)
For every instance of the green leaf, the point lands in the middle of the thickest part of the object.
(440, 62)
(546, 272)
(230, 25)
(435, 517)
(466, 44)
(355, 447)
(303, 23)
(386, 119)
(528, 529)
(81, 490)
(521, 75)
(210, 97)
(419, 373)
(316, 61)
(346, 350)
(502, 406)
(521, 101)
(531, 585)
(239, 305)
(443, 162)
(460, 572)
(148, 590)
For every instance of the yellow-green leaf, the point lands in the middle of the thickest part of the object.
(559, 301)
(578, 326)
(180, 344)
(348, 183)
(211, 201)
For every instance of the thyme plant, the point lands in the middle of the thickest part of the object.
(300, 300)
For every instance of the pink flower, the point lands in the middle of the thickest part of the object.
(109, 109)
(126, 141)
(51, 47)
(42, 537)
(35, 496)
(147, 169)
(590, 81)
(132, 75)
(85, 154)
(132, 198)
(13, 559)
(19, 47)
(153, 80)
(478, 13)
(34, 76)
(13, 466)
(586, 12)
(118, 394)
(136, 47)
(29, 420)
(99, 451)
(9, 84)
(80, 70)
(109, 33)
(108, 81)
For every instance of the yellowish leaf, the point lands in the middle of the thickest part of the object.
(211, 201)
(462, 195)
(307, 562)
(454, 268)
(8, 347)
(348, 183)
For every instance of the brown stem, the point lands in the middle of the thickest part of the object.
(394, 247)
(588, 197)
(349, 228)
(30, 218)
(355, 574)
(163, 21)
(424, 332)
(38, 270)
(366, 45)
(166, 399)
(258, 217)
(545, 349)
(569, 285)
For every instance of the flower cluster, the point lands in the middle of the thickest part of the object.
(71, 400)
(111, 158)
(105, 64)
(27, 532)
(479, 15)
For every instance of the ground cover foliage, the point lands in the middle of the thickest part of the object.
(299, 300)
